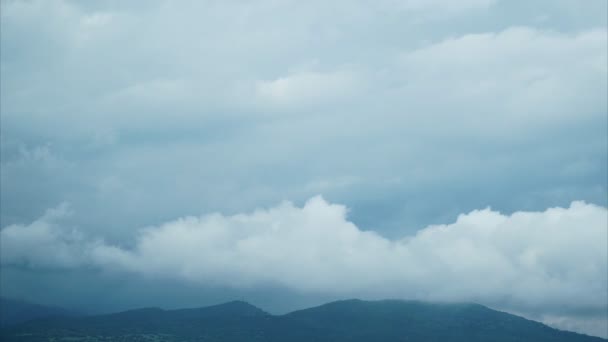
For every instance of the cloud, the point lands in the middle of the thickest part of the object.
(543, 262)
(43, 244)
(302, 89)
(537, 77)
(448, 6)
(595, 326)
(136, 113)
(458, 109)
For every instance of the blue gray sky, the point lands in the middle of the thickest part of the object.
(290, 153)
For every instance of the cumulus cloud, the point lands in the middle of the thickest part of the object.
(539, 261)
(43, 243)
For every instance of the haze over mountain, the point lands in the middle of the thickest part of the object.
(291, 153)
(17, 311)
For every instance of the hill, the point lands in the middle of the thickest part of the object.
(14, 311)
(351, 320)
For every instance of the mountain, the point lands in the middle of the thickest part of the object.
(233, 321)
(16, 311)
(396, 320)
(350, 320)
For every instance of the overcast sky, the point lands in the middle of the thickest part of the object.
(184, 153)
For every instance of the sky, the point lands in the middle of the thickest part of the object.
(289, 153)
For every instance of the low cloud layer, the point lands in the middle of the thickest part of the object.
(542, 263)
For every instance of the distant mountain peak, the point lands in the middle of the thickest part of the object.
(235, 304)
(236, 308)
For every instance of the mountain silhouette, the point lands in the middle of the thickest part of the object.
(349, 320)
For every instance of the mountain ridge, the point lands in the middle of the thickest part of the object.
(15, 311)
(346, 320)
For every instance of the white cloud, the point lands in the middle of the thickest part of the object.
(526, 261)
(43, 243)
(595, 326)
(517, 77)
(305, 88)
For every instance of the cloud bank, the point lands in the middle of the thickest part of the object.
(542, 262)
(148, 111)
